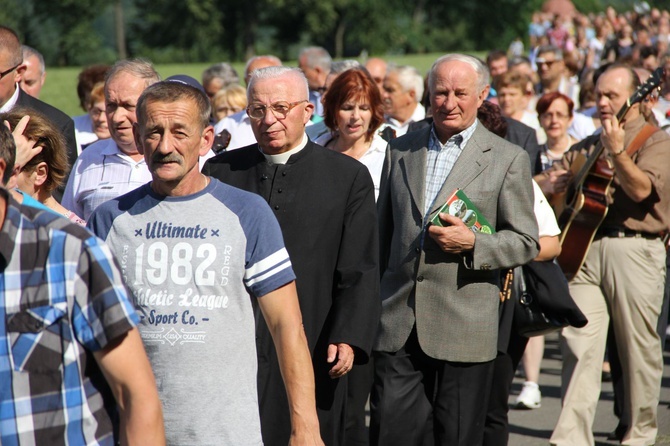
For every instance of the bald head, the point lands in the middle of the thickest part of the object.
(10, 46)
(377, 69)
(258, 62)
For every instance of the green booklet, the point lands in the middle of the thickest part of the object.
(459, 205)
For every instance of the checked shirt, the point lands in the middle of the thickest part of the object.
(61, 298)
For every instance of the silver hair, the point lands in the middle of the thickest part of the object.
(480, 68)
(223, 71)
(140, 68)
(341, 66)
(30, 51)
(409, 78)
(316, 56)
(276, 72)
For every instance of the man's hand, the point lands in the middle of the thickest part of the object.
(612, 136)
(454, 238)
(553, 181)
(345, 359)
(25, 148)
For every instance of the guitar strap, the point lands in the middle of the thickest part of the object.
(641, 138)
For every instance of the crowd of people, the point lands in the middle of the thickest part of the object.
(206, 262)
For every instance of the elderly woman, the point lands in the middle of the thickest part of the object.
(47, 170)
(353, 111)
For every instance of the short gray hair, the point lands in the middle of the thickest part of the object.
(223, 71)
(171, 92)
(480, 68)
(140, 68)
(316, 56)
(341, 66)
(30, 51)
(409, 78)
(276, 72)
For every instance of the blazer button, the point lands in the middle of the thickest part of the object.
(280, 190)
(417, 250)
(276, 207)
(419, 279)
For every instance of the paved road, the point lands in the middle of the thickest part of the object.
(534, 427)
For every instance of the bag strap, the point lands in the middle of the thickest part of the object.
(506, 291)
(642, 136)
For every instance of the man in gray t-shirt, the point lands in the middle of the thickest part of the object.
(198, 254)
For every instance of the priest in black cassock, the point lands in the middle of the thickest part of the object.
(325, 205)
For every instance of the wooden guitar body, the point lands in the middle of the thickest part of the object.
(582, 216)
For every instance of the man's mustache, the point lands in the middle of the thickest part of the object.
(162, 158)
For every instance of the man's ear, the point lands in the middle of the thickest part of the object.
(19, 72)
(309, 110)
(138, 138)
(206, 140)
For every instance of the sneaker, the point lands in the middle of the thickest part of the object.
(530, 396)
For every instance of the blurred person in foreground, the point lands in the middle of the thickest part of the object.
(71, 328)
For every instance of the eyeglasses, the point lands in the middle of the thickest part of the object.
(548, 63)
(6, 72)
(279, 109)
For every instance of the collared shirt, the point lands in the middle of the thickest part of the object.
(7, 106)
(440, 160)
(61, 297)
(102, 172)
(401, 127)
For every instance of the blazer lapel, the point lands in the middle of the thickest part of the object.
(413, 168)
(474, 158)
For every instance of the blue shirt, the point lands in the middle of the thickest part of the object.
(61, 299)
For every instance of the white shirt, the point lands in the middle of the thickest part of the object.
(546, 220)
(373, 159)
(11, 102)
(239, 126)
(102, 172)
(401, 127)
(83, 131)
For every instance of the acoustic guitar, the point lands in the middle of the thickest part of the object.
(583, 206)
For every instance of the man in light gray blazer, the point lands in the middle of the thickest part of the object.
(440, 285)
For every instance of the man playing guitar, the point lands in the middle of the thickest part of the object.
(623, 272)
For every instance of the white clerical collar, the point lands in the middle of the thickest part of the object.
(11, 102)
(282, 158)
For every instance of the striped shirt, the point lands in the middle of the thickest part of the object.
(62, 298)
(440, 160)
